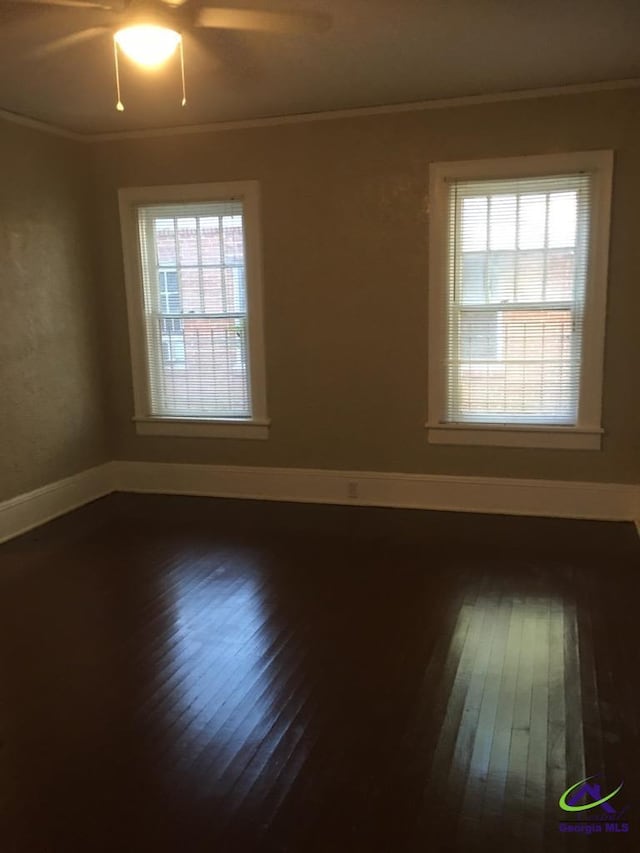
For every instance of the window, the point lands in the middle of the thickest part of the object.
(192, 271)
(172, 333)
(518, 268)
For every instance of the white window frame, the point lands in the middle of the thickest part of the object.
(586, 434)
(130, 198)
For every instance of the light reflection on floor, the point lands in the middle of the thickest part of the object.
(513, 688)
(226, 663)
(225, 646)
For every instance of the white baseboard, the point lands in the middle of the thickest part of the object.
(604, 501)
(32, 509)
(561, 499)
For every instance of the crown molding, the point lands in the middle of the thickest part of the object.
(361, 112)
(42, 126)
(328, 115)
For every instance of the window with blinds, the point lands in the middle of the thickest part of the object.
(193, 276)
(192, 259)
(518, 261)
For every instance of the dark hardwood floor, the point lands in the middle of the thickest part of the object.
(184, 674)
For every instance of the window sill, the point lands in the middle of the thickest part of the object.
(200, 428)
(511, 435)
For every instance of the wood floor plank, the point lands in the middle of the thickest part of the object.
(485, 728)
(181, 674)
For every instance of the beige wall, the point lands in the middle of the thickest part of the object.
(344, 209)
(51, 422)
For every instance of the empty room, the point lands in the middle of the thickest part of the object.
(320, 426)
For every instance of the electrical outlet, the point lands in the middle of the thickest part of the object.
(352, 489)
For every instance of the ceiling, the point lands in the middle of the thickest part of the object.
(376, 52)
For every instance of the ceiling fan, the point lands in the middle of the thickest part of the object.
(150, 31)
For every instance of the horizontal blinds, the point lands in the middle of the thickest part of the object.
(518, 256)
(195, 309)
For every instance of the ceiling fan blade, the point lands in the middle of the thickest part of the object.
(66, 42)
(82, 4)
(253, 19)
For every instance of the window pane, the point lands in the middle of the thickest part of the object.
(190, 290)
(210, 239)
(530, 276)
(474, 270)
(198, 363)
(169, 291)
(562, 219)
(214, 378)
(165, 242)
(187, 241)
(232, 239)
(502, 221)
(212, 286)
(561, 275)
(474, 224)
(234, 289)
(518, 247)
(478, 339)
(501, 276)
(532, 221)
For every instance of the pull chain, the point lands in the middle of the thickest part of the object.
(184, 93)
(119, 105)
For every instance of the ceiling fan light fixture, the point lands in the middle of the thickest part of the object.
(148, 44)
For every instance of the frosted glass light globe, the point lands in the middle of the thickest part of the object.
(147, 44)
